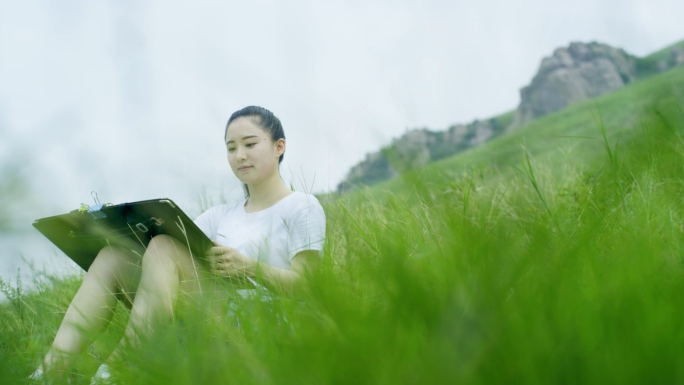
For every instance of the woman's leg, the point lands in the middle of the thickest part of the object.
(168, 270)
(114, 273)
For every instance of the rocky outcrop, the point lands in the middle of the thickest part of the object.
(572, 74)
(415, 149)
(373, 169)
(411, 150)
(674, 59)
(677, 57)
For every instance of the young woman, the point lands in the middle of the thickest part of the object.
(272, 237)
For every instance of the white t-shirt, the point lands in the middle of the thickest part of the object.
(273, 235)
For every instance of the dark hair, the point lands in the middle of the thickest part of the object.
(265, 120)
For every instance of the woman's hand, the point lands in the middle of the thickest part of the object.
(228, 262)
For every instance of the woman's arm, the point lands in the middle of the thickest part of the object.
(229, 262)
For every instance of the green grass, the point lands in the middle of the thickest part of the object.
(541, 257)
(648, 65)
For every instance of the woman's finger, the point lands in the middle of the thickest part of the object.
(217, 250)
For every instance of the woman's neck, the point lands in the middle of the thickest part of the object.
(266, 194)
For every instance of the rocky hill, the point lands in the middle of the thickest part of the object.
(584, 71)
(417, 147)
(572, 74)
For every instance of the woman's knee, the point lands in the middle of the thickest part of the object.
(162, 249)
(162, 242)
(114, 260)
(167, 252)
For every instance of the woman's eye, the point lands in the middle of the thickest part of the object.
(248, 145)
(231, 149)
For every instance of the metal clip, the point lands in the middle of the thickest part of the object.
(95, 211)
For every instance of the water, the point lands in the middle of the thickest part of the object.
(23, 252)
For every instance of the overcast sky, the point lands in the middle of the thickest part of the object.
(130, 98)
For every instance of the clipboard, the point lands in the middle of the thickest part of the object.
(82, 233)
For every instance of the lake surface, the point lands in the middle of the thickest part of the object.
(23, 251)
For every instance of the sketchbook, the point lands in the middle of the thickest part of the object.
(82, 233)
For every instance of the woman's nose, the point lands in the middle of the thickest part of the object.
(240, 153)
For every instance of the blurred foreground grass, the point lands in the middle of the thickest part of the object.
(552, 270)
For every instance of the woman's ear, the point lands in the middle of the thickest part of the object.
(280, 146)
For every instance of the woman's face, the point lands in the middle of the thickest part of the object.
(252, 154)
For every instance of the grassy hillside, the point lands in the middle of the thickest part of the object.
(572, 135)
(648, 65)
(406, 151)
(553, 254)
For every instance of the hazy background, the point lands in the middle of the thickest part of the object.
(130, 98)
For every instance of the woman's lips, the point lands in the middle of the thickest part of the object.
(244, 168)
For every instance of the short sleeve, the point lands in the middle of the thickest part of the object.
(306, 227)
(208, 222)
